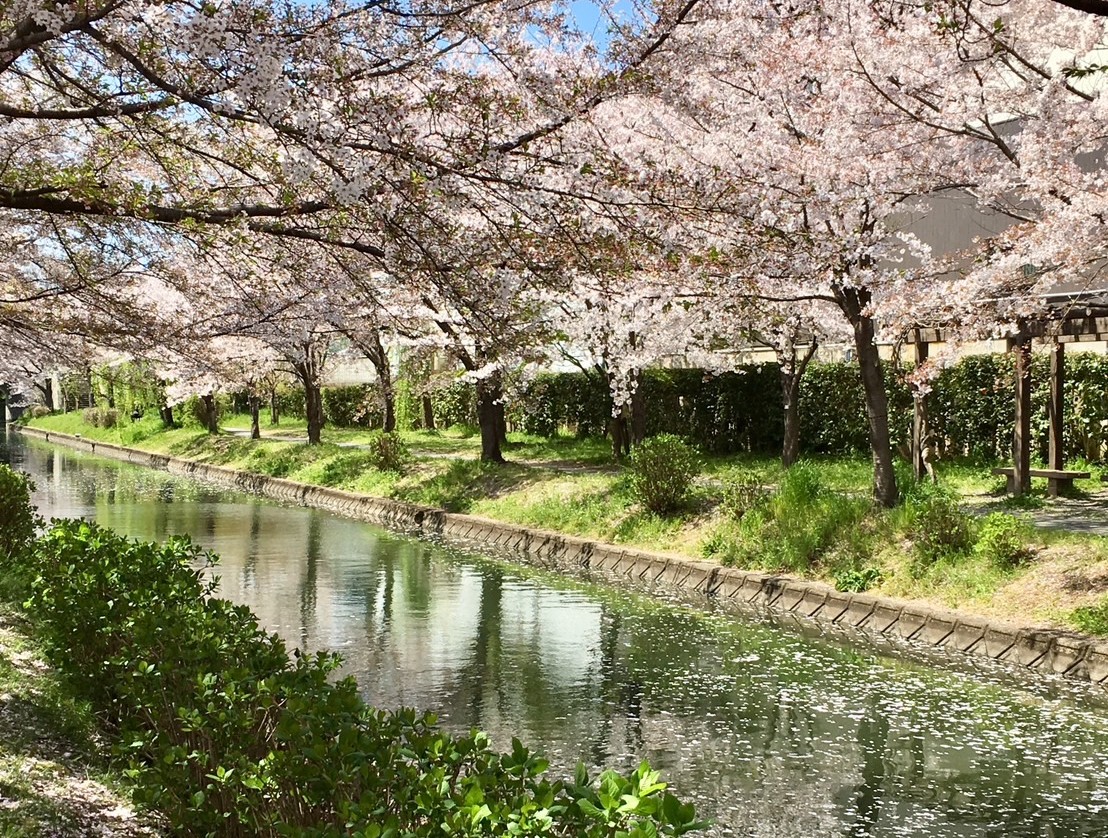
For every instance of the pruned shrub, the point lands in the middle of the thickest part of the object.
(662, 471)
(91, 416)
(40, 410)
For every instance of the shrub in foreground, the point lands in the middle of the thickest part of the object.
(227, 736)
(662, 472)
(18, 520)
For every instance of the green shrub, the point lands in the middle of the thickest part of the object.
(662, 471)
(109, 417)
(1002, 540)
(91, 416)
(742, 495)
(40, 410)
(938, 527)
(355, 405)
(227, 736)
(18, 520)
(388, 452)
(856, 580)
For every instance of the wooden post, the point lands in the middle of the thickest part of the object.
(919, 417)
(1056, 406)
(1021, 435)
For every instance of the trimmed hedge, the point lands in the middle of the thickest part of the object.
(971, 405)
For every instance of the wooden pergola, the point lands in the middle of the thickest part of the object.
(1070, 317)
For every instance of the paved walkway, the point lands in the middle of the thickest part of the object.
(1087, 514)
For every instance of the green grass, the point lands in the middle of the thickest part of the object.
(823, 526)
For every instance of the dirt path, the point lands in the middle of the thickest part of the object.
(47, 787)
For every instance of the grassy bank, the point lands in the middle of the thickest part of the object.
(816, 521)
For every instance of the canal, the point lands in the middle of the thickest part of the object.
(772, 734)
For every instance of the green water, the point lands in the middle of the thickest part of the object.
(772, 734)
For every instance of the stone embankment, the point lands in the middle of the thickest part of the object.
(901, 628)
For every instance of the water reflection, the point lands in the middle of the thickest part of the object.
(773, 734)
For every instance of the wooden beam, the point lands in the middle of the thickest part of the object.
(1056, 406)
(920, 430)
(1021, 434)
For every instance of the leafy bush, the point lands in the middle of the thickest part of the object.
(662, 472)
(1002, 540)
(856, 580)
(939, 529)
(742, 495)
(388, 452)
(227, 736)
(355, 405)
(18, 520)
(1091, 619)
(40, 410)
(91, 416)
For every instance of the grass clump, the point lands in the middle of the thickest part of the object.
(1003, 541)
(797, 528)
(1091, 619)
(662, 471)
(936, 524)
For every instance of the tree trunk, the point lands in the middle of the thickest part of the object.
(167, 416)
(638, 413)
(274, 408)
(853, 303)
(255, 417)
(490, 418)
(47, 390)
(428, 414)
(790, 395)
(792, 371)
(375, 351)
(313, 403)
(211, 414)
(621, 436)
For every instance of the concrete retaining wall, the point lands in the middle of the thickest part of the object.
(899, 628)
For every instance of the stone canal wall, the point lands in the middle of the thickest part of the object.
(900, 628)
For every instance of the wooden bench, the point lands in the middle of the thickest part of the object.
(1056, 480)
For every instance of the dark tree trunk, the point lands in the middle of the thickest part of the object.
(428, 414)
(375, 351)
(390, 413)
(490, 418)
(854, 302)
(638, 413)
(313, 404)
(790, 393)
(211, 414)
(621, 435)
(792, 371)
(255, 417)
(47, 390)
(274, 408)
(167, 416)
